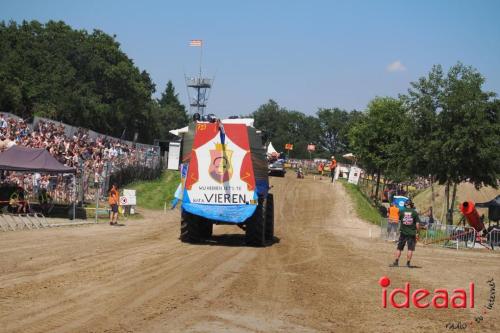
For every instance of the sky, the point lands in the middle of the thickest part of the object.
(304, 55)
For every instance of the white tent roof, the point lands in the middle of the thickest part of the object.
(349, 157)
(179, 131)
(270, 148)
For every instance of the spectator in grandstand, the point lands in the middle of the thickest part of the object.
(3, 122)
(409, 226)
(3, 142)
(392, 222)
(113, 203)
(333, 166)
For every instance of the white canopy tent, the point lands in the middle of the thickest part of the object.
(270, 149)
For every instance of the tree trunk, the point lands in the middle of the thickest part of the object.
(377, 186)
(453, 198)
(447, 199)
(433, 194)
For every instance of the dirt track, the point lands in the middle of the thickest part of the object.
(322, 275)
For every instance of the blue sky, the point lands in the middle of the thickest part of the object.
(303, 54)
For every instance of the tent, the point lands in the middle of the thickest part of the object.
(349, 157)
(270, 149)
(24, 159)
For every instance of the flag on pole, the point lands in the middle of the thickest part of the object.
(195, 42)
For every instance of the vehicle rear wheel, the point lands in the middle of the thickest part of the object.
(206, 227)
(191, 228)
(255, 233)
(269, 218)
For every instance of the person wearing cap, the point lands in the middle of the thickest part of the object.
(332, 165)
(409, 226)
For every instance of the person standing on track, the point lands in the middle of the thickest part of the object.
(333, 166)
(321, 167)
(392, 221)
(409, 226)
(113, 203)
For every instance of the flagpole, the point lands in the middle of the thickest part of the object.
(201, 55)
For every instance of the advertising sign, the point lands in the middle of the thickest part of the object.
(174, 151)
(354, 175)
(220, 171)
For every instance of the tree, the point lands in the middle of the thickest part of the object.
(334, 129)
(283, 126)
(457, 130)
(377, 136)
(172, 113)
(74, 76)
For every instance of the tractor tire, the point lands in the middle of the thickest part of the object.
(255, 233)
(191, 228)
(270, 218)
(206, 228)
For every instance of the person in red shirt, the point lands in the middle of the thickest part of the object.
(333, 166)
(113, 203)
(321, 167)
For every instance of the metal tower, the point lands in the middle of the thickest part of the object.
(198, 88)
(201, 88)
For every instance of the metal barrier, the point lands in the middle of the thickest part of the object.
(14, 222)
(436, 234)
(493, 238)
(388, 231)
(452, 236)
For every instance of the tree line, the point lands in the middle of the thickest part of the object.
(446, 128)
(82, 79)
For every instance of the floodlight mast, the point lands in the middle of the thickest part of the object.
(200, 86)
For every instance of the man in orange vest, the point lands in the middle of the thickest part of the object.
(392, 221)
(113, 203)
(333, 165)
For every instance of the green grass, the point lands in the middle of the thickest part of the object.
(152, 194)
(363, 207)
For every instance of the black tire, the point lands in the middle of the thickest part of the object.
(269, 218)
(206, 228)
(190, 228)
(255, 233)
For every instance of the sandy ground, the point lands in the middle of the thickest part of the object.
(321, 275)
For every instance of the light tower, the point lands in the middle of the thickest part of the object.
(198, 88)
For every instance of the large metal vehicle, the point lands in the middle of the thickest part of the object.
(225, 181)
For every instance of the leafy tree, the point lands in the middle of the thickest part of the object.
(74, 76)
(455, 129)
(376, 137)
(172, 113)
(334, 129)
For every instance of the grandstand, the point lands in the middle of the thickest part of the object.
(97, 158)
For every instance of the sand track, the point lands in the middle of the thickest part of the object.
(321, 275)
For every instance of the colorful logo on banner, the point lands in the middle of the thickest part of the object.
(289, 146)
(221, 168)
(311, 147)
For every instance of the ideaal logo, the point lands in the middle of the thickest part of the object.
(440, 298)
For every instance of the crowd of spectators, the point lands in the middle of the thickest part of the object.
(93, 158)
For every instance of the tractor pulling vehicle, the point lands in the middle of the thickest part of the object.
(225, 181)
